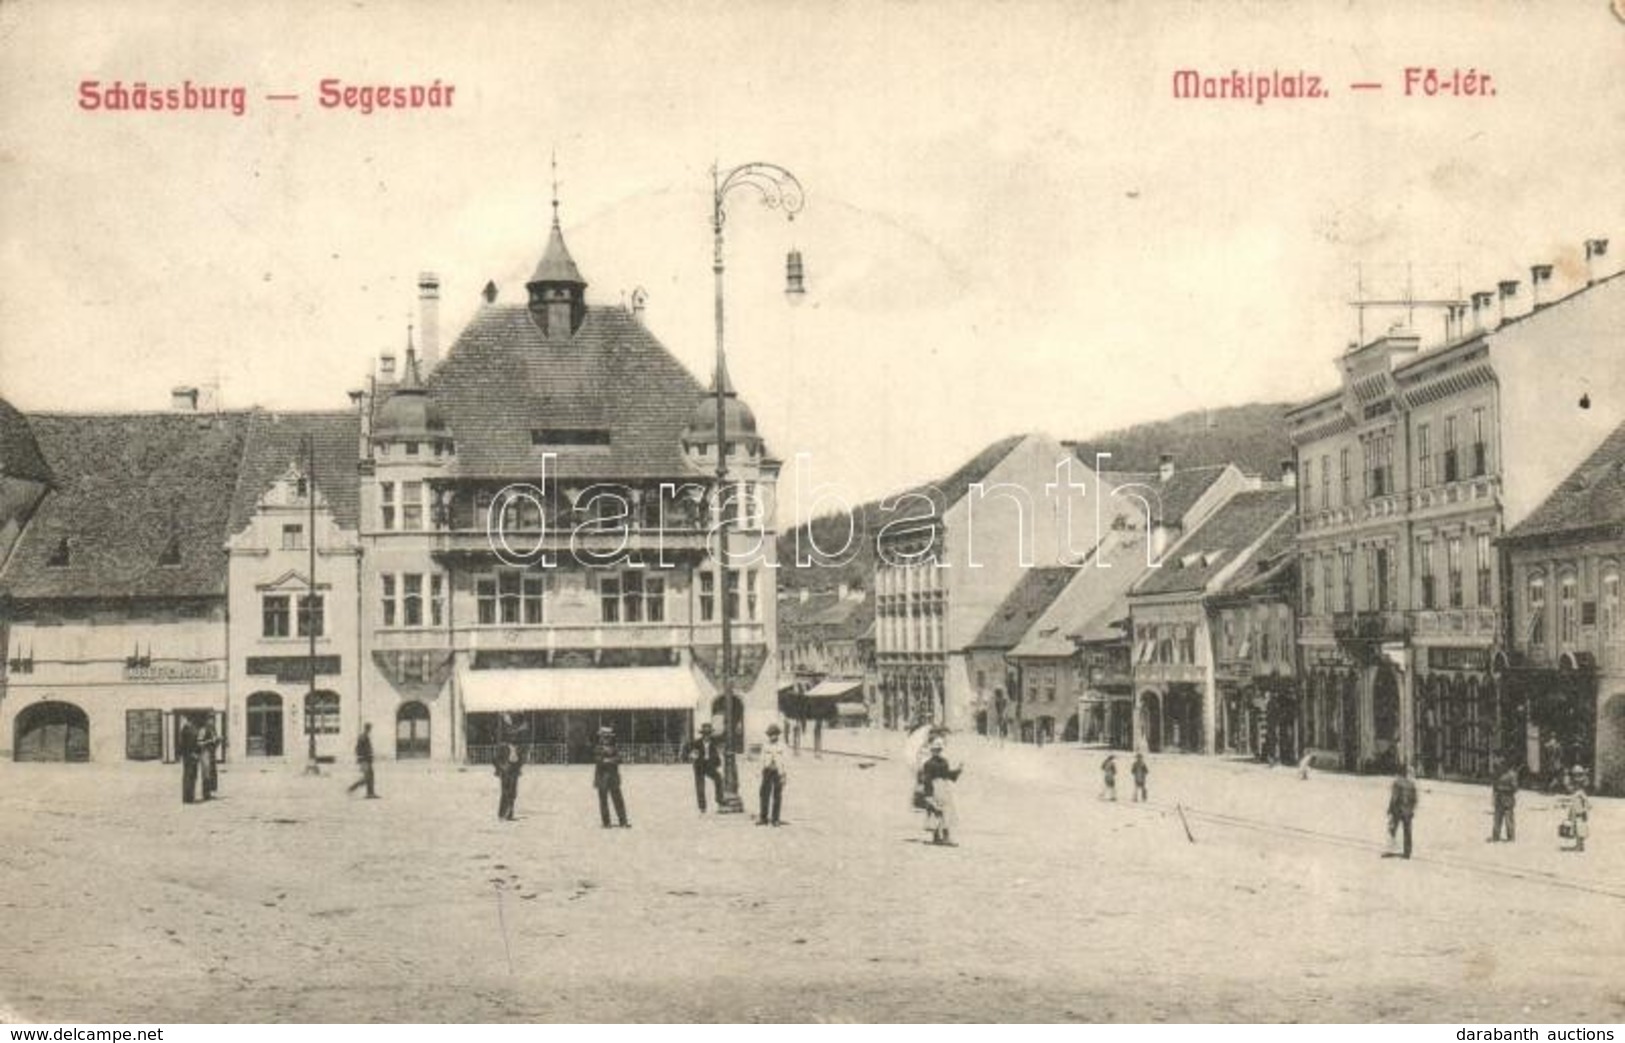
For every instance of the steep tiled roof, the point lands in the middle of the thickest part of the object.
(1035, 592)
(276, 442)
(1097, 595)
(1174, 497)
(1181, 491)
(19, 452)
(1192, 562)
(503, 379)
(1591, 498)
(834, 616)
(128, 488)
(1273, 564)
(956, 486)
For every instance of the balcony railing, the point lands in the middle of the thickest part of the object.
(562, 544)
(1311, 628)
(1456, 622)
(1484, 488)
(1370, 626)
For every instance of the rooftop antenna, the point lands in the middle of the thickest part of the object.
(1410, 302)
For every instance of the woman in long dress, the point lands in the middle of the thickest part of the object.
(941, 816)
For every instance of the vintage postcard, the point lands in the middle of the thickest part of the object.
(864, 511)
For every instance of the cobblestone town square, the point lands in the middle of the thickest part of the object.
(289, 900)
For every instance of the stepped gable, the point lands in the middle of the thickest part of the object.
(276, 443)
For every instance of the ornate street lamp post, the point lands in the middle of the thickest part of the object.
(778, 190)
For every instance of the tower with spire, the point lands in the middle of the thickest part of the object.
(558, 293)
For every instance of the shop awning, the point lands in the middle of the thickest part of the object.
(835, 690)
(611, 688)
(851, 710)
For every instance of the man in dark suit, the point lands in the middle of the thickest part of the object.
(187, 749)
(606, 777)
(1505, 797)
(1402, 806)
(363, 759)
(706, 757)
(508, 764)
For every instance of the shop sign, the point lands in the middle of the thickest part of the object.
(160, 672)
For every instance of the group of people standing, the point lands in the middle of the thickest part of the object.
(1576, 824)
(703, 752)
(199, 751)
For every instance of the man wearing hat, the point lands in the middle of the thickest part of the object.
(770, 797)
(606, 777)
(706, 757)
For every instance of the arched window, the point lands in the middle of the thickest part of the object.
(1610, 601)
(1536, 607)
(265, 725)
(322, 713)
(412, 731)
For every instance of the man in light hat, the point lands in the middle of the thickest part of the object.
(770, 796)
(706, 757)
(606, 777)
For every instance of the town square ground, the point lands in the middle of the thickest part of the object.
(289, 900)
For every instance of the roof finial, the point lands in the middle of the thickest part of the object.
(555, 188)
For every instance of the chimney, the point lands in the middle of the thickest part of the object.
(1594, 248)
(489, 293)
(640, 299)
(1289, 474)
(183, 399)
(1508, 288)
(802, 594)
(1481, 304)
(842, 592)
(1165, 469)
(1538, 275)
(429, 320)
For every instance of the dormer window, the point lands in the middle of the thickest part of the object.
(171, 555)
(569, 437)
(61, 555)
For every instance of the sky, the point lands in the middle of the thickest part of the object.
(1011, 223)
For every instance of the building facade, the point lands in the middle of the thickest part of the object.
(522, 543)
(1563, 672)
(1178, 702)
(949, 554)
(826, 655)
(114, 589)
(1407, 476)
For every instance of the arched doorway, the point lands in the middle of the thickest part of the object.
(411, 731)
(719, 715)
(1150, 722)
(265, 738)
(52, 731)
(322, 721)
